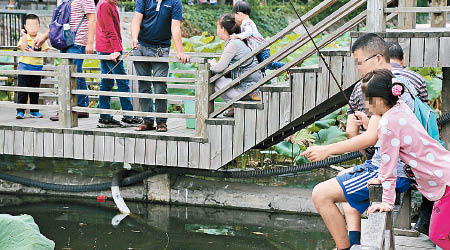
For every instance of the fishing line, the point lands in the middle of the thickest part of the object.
(323, 59)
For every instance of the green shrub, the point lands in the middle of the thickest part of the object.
(270, 19)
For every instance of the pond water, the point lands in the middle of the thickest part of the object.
(76, 224)
(85, 224)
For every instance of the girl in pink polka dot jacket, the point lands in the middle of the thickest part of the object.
(402, 135)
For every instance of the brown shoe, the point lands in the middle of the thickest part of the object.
(83, 115)
(144, 127)
(161, 127)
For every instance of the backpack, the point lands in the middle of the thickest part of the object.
(61, 35)
(424, 114)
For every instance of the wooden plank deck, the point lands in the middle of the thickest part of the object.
(176, 126)
(414, 243)
(411, 243)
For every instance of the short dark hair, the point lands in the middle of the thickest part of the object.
(372, 42)
(379, 84)
(242, 6)
(228, 22)
(31, 17)
(395, 51)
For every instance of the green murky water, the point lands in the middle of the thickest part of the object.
(84, 224)
(76, 224)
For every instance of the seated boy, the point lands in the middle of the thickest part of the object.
(26, 43)
(370, 52)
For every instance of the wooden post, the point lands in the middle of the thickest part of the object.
(439, 19)
(67, 117)
(404, 216)
(403, 221)
(376, 20)
(407, 20)
(375, 193)
(445, 131)
(203, 107)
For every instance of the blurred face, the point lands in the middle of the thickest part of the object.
(377, 105)
(221, 32)
(239, 17)
(32, 26)
(366, 62)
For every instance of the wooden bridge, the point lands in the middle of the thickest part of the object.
(285, 108)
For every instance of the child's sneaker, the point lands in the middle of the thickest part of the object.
(36, 115)
(20, 115)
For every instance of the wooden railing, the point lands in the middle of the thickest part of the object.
(377, 233)
(406, 10)
(376, 22)
(318, 29)
(67, 91)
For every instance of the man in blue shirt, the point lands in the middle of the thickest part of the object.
(153, 25)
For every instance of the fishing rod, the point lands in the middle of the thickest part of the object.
(121, 59)
(324, 61)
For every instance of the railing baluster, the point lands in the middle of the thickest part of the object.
(376, 20)
(203, 107)
(67, 118)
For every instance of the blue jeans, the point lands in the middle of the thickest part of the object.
(108, 84)
(266, 54)
(83, 100)
(156, 69)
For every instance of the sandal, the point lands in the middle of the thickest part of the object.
(161, 127)
(145, 127)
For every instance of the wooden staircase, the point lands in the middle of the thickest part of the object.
(309, 95)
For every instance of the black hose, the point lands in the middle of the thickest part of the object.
(444, 119)
(170, 170)
(189, 171)
(55, 187)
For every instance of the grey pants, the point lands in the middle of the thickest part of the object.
(155, 69)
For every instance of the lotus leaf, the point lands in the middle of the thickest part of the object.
(22, 233)
(330, 135)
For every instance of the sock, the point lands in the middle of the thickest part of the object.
(354, 237)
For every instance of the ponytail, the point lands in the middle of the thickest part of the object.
(229, 24)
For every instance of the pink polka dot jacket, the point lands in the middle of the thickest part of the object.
(402, 135)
